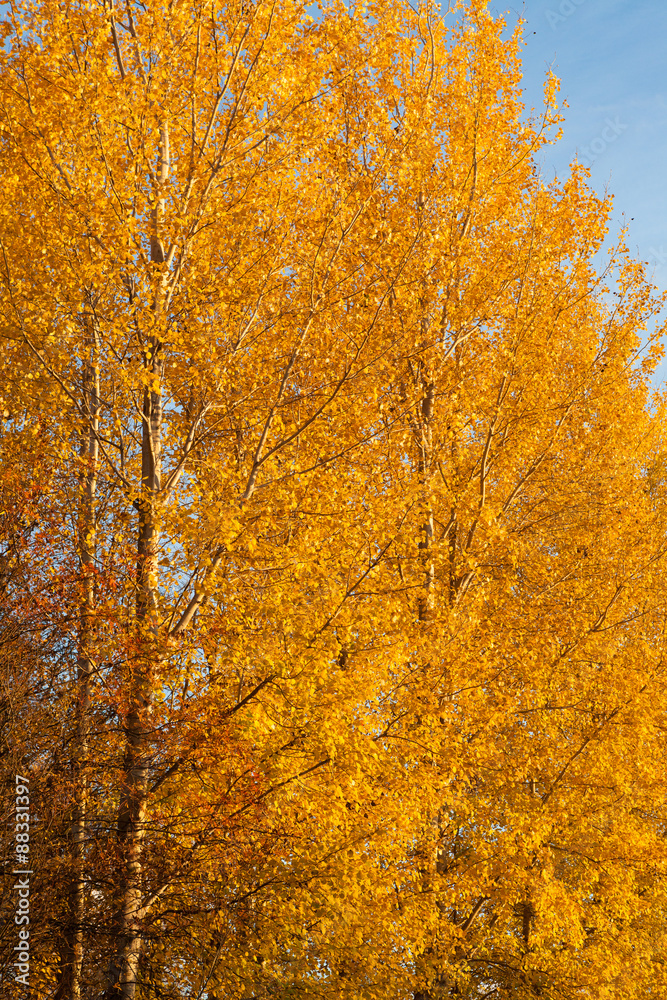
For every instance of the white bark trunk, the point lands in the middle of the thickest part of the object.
(70, 986)
(125, 966)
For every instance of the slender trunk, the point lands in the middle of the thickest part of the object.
(425, 599)
(423, 432)
(455, 474)
(426, 596)
(69, 985)
(131, 814)
(125, 965)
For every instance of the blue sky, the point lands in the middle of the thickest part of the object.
(610, 58)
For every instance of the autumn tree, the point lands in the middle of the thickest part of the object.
(351, 599)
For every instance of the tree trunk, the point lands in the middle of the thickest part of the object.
(131, 814)
(125, 965)
(69, 985)
(426, 596)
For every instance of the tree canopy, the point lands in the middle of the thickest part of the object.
(333, 516)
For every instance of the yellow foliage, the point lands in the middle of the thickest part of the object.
(346, 610)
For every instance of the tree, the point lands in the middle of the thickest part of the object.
(354, 696)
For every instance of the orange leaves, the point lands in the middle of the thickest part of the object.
(357, 459)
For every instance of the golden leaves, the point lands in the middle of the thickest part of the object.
(377, 503)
